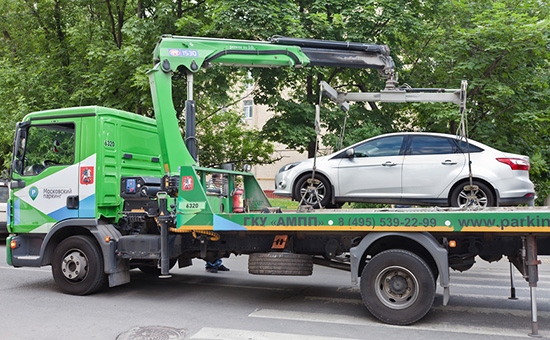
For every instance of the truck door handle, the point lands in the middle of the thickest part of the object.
(448, 162)
(388, 163)
(72, 202)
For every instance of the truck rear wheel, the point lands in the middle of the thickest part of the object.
(397, 287)
(77, 266)
(280, 264)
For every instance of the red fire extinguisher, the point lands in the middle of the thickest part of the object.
(238, 200)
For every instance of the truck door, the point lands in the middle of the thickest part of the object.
(45, 174)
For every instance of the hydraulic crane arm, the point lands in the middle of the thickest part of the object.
(195, 53)
(191, 53)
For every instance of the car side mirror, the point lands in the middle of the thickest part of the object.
(350, 153)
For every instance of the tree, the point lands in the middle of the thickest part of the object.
(501, 48)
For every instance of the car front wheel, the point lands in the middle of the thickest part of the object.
(312, 192)
(481, 195)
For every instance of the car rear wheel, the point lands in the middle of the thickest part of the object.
(311, 192)
(482, 195)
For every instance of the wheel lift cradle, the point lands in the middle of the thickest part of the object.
(194, 224)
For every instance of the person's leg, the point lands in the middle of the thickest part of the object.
(213, 267)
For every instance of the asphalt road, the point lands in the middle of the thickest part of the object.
(236, 305)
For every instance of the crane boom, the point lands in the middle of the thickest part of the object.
(193, 53)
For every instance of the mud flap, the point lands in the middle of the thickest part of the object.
(117, 269)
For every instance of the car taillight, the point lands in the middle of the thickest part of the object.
(515, 163)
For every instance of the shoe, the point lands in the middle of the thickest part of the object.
(211, 269)
(223, 268)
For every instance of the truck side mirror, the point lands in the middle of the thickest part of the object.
(18, 183)
(350, 153)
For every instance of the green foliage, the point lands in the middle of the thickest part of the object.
(225, 138)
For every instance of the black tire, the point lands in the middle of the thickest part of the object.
(77, 266)
(324, 191)
(483, 196)
(280, 264)
(397, 287)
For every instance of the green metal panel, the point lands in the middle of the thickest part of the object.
(520, 220)
(173, 151)
(128, 145)
(191, 52)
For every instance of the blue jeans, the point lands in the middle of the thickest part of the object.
(215, 264)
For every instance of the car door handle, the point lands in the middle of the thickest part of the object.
(388, 163)
(448, 162)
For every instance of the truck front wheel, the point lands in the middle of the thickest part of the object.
(397, 287)
(77, 266)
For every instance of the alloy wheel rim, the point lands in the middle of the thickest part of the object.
(307, 191)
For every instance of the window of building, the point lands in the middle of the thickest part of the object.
(248, 108)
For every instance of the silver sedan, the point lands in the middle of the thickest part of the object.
(410, 168)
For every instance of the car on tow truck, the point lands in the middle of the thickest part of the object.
(418, 168)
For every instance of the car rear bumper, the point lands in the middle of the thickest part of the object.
(528, 198)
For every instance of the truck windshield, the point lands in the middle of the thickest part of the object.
(43, 146)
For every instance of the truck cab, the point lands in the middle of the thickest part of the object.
(68, 164)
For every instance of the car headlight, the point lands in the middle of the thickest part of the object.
(288, 166)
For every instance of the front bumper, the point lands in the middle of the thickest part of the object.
(283, 187)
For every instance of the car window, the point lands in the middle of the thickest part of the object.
(387, 146)
(462, 144)
(4, 192)
(431, 145)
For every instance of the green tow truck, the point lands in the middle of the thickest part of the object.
(96, 192)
